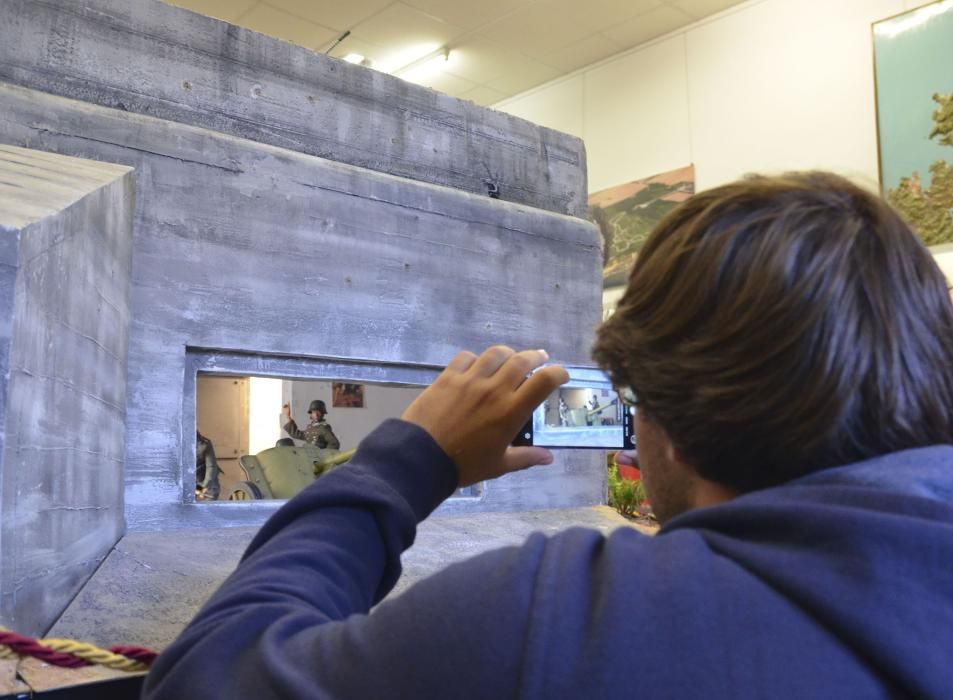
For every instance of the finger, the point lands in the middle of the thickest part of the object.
(539, 386)
(517, 458)
(462, 361)
(491, 360)
(626, 458)
(520, 364)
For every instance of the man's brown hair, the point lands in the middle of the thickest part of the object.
(781, 325)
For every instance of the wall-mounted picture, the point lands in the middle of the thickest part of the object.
(626, 214)
(344, 395)
(913, 53)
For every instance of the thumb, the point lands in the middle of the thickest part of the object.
(517, 458)
(627, 458)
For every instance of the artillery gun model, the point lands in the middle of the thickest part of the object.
(282, 472)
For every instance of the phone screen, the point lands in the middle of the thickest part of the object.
(585, 413)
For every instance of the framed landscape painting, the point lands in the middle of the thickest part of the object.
(626, 214)
(913, 55)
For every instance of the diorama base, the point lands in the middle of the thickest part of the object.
(153, 583)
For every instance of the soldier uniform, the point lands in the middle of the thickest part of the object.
(206, 467)
(317, 433)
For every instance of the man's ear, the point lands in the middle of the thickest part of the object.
(676, 455)
(672, 453)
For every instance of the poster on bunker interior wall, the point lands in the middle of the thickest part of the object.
(913, 53)
(626, 214)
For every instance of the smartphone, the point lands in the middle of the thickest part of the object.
(585, 413)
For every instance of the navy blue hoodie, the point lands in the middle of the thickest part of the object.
(837, 585)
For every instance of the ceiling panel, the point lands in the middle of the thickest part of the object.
(229, 10)
(645, 27)
(467, 16)
(278, 23)
(527, 74)
(595, 15)
(704, 8)
(589, 50)
(339, 16)
(535, 30)
(483, 95)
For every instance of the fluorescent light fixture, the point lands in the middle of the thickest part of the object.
(437, 57)
(408, 58)
(423, 70)
(354, 58)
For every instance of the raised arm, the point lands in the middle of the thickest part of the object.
(281, 625)
(288, 424)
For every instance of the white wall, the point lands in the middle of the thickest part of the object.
(264, 395)
(769, 85)
(351, 425)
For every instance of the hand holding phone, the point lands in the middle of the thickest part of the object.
(477, 404)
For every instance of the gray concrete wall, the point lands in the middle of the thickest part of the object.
(150, 58)
(244, 246)
(66, 231)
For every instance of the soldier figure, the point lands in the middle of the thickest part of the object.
(318, 433)
(593, 410)
(206, 468)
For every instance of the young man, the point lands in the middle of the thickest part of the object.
(789, 345)
(318, 432)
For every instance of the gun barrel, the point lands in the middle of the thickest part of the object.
(340, 458)
(599, 409)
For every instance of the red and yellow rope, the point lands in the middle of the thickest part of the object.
(73, 654)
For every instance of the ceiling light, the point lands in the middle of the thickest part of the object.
(408, 57)
(354, 58)
(437, 57)
(424, 69)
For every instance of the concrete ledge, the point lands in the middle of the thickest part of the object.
(65, 272)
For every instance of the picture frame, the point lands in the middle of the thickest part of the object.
(914, 99)
(347, 395)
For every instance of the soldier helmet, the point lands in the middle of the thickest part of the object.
(318, 406)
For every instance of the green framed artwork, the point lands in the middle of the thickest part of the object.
(913, 63)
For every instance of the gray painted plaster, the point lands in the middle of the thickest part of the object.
(66, 227)
(150, 58)
(241, 246)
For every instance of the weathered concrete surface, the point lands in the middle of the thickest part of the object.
(152, 584)
(243, 246)
(147, 57)
(65, 271)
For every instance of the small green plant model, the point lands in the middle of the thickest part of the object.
(624, 495)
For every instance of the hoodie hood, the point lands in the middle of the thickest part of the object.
(865, 550)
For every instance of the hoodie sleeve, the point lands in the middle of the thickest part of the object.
(310, 576)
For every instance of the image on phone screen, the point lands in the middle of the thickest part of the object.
(585, 413)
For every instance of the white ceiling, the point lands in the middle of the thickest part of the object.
(498, 48)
